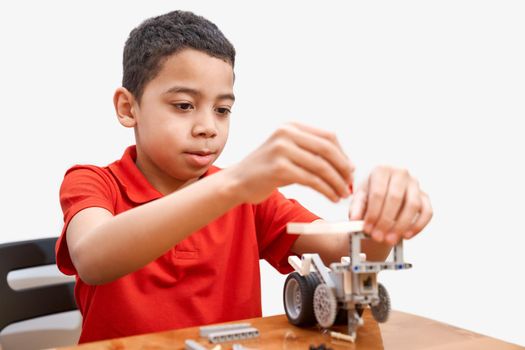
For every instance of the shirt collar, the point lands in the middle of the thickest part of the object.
(133, 182)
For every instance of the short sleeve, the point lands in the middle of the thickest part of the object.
(271, 217)
(83, 187)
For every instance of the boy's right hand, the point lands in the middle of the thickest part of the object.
(295, 153)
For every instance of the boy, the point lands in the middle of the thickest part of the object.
(161, 239)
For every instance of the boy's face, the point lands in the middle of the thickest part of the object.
(182, 121)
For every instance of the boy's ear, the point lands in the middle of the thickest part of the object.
(124, 103)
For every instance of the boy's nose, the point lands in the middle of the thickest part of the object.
(205, 127)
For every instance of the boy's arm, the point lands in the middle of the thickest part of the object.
(104, 247)
(332, 249)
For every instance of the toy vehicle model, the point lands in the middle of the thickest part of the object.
(318, 294)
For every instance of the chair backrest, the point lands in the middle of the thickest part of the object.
(34, 302)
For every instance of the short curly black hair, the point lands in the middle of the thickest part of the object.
(149, 44)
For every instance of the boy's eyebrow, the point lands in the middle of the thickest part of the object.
(190, 91)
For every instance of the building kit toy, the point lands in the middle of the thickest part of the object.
(204, 331)
(190, 344)
(231, 335)
(223, 333)
(228, 332)
(315, 293)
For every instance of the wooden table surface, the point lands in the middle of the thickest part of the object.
(402, 331)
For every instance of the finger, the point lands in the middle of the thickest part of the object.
(393, 201)
(318, 132)
(296, 174)
(424, 216)
(358, 206)
(377, 189)
(319, 167)
(410, 211)
(320, 142)
(325, 144)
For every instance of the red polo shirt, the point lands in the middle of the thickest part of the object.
(211, 276)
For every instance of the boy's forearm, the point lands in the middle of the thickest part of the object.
(374, 250)
(331, 250)
(138, 236)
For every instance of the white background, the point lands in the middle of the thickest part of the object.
(437, 87)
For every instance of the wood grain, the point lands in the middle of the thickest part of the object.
(403, 331)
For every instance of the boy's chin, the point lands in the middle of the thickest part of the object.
(193, 173)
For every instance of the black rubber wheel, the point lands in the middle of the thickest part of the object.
(381, 310)
(298, 295)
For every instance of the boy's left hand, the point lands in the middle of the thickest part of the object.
(391, 204)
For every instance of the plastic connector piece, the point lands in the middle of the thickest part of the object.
(206, 330)
(231, 335)
(191, 344)
(323, 227)
(343, 336)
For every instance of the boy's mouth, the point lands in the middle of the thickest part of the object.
(201, 153)
(200, 158)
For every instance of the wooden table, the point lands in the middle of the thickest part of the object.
(402, 331)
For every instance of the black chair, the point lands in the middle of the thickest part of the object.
(20, 305)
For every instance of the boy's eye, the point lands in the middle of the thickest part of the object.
(224, 110)
(183, 106)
